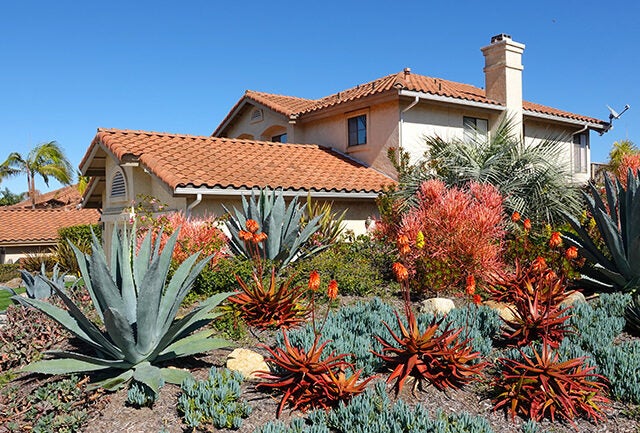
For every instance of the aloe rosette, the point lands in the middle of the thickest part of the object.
(138, 306)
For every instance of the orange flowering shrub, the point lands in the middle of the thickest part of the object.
(628, 162)
(451, 233)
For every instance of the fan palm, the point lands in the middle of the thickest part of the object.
(531, 177)
(45, 160)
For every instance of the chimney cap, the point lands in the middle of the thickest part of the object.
(407, 71)
(500, 37)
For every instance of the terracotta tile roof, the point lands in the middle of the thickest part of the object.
(288, 105)
(40, 226)
(194, 161)
(65, 196)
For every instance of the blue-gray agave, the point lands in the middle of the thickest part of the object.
(281, 224)
(618, 222)
(36, 285)
(138, 307)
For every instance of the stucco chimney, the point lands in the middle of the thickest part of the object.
(503, 75)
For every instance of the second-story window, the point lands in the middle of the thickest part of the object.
(475, 130)
(280, 138)
(357, 130)
(580, 156)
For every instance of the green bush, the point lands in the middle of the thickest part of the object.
(361, 267)
(80, 236)
(9, 271)
(221, 278)
(374, 412)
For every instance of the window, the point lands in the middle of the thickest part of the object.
(475, 130)
(281, 138)
(118, 188)
(580, 148)
(357, 130)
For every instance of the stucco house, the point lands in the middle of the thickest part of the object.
(334, 147)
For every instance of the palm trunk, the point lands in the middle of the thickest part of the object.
(32, 189)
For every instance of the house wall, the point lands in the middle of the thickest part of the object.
(11, 254)
(271, 124)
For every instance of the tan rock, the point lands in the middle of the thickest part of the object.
(246, 362)
(572, 299)
(13, 284)
(437, 306)
(505, 310)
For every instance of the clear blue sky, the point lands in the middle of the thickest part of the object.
(69, 67)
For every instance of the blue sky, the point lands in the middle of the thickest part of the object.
(69, 67)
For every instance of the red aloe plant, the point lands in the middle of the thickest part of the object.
(437, 357)
(274, 305)
(543, 386)
(536, 293)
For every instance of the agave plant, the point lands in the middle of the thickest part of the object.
(138, 306)
(281, 224)
(36, 285)
(617, 268)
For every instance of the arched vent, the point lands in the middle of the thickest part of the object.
(118, 188)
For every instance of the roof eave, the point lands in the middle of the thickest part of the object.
(591, 125)
(226, 192)
(450, 100)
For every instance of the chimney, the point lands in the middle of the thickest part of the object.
(503, 75)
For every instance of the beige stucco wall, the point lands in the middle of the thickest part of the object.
(271, 124)
(12, 254)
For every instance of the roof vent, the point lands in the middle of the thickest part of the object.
(407, 71)
(500, 37)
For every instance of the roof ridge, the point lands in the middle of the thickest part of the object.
(249, 91)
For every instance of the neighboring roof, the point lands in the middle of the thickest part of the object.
(195, 161)
(40, 226)
(404, 80)
(65, 196)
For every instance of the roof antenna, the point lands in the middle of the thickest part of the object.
(613, 115)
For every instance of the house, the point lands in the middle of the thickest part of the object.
(334, 148)
(25, 231)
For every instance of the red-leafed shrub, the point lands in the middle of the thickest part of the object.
(197, 234)
(631, 161)
(542, 386)
(450, 234)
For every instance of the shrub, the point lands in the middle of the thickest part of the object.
(452, 233)
(543, 386)
(80, 236)
(373, 411)
(138, 307)
(215, 401)
(361, 267)
(9, 271)
(221, 277)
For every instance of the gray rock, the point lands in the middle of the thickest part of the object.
(437, 306)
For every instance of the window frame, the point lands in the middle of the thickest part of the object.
(580, 153)
(471, 132)
(353, 117)
(278, 138)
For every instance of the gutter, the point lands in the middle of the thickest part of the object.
(409, 107)
(456, 101)
(227, 192)
(589, 125)
(194, 203)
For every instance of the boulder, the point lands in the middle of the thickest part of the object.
(572, 299)
(246, 362)
(437, 306)
(14, 283)
(505, 310)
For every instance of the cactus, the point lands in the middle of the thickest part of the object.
(138, 305)
(281, 224)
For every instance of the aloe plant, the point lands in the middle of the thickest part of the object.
(138, 306)
(618, 221)
(281, 224)
(36, 285)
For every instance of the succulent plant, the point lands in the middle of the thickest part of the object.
(36, 285)
(138, 306)
(281, 224)
(618, 221)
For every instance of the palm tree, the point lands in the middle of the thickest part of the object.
(530, 176)
(46, 160)
(619, 150)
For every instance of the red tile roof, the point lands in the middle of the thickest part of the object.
(194, 161)
(65, 196)
(289, 105)
(40, 226)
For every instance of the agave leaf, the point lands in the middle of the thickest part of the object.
(148, 374)
(62, 366)
(113, 383)
(125, 277)
(110, 363)
(102, 281)
(613, 239)
(175, 375)
(142, 260)
(82, 260)
(175, 285)
(120, 331)
(10, 290)
(191, 345)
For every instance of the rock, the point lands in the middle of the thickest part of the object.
(437, 306)
(246, 362)
(505, 310)
(572, 299)
(14, 283)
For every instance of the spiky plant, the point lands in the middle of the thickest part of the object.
(542, 385)
(528, 175)
(281, 224)
(617, 267)
(36, 286)
(138, 306)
